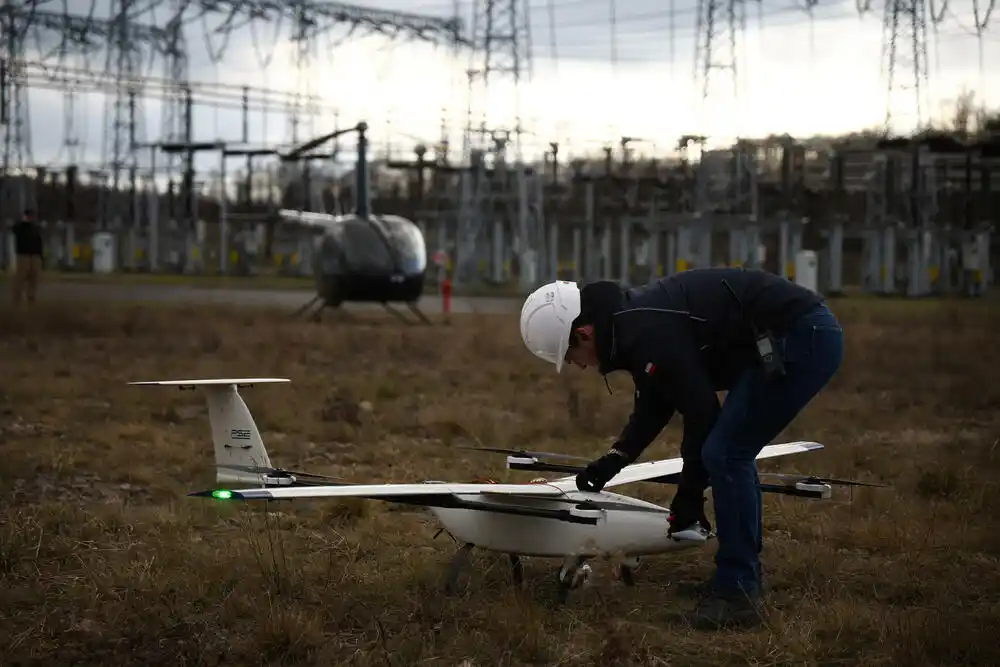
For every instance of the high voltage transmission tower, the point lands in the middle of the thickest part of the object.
(132, 40)
(718, 21)
(501, 49)
(720, 26)
(905, 62)
(501, 54)
(905, 21)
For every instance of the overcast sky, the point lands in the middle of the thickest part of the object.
(592, 81)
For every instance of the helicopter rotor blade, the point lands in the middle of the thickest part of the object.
(522, 452)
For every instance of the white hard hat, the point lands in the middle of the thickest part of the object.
(546, 319)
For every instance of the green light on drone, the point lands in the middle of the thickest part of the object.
(222, 494)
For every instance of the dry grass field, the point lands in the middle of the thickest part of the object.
(105, 560)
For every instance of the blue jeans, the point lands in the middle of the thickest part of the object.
(755, 412)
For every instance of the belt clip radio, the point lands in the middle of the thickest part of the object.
(767, 351)
(770, 357)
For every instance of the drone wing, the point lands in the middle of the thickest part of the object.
(640, 472)
(430, 493)
(512, 499)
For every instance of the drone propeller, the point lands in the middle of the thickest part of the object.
(819, 480)
(521, 452)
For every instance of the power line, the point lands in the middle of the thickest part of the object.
(128, 41)
(779, 17)
(142, 33)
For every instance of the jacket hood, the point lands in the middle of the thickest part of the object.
(599, 301)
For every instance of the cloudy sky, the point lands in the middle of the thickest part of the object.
(592, 79)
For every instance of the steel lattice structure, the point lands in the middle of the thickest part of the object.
(52, 44)
(129, 41)
(720, 24)
(140, 40)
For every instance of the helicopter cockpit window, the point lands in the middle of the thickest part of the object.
(408, 242)
(362, 248)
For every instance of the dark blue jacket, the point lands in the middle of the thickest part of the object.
(682, 338)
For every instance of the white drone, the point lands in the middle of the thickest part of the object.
(543, 518)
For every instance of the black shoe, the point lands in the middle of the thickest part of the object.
(735, 610)
(694, 589)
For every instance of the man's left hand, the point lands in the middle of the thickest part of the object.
(688, 507)
(600, 472)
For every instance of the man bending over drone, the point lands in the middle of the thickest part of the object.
(772, 344)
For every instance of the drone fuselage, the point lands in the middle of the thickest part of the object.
(609, 525)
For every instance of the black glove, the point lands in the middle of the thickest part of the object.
(599, 472)
(687, 507)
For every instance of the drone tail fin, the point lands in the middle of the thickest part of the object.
(240, 456)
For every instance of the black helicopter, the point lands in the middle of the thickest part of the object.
(379, 259)
(360, 256)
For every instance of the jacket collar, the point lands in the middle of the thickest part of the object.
(600, 302)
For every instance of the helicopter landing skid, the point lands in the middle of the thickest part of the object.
(413, 308)
(317, 304)
(303, 308)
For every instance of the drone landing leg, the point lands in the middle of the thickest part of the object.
(574, 573)
(459, 563)
(627, 571)
(416, 311)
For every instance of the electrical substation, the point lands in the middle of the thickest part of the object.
(895, 216)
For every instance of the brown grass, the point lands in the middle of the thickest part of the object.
(104, 560)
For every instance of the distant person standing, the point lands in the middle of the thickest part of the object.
(29, 248)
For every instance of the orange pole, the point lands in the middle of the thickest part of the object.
(446, 296)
